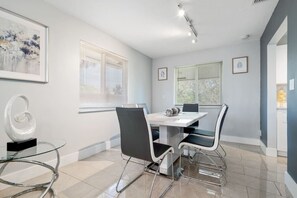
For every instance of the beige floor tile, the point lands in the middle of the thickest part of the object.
(276, 167)
(233, 190)
(102, 180)
(250, 174)
(254, 164)
(283, 189)
(252, 193)
(264, 174)
(141, 187)
(182, 189)
(263, 185)
(234, 168)
(78, 190)
(85, 169)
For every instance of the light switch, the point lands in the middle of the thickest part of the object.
(292, 84)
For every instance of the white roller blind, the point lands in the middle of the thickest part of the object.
(103, 78)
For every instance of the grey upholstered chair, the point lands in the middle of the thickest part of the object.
(137, 142)
(194, 107)
(203, 144)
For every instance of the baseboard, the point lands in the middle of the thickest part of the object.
(241, 140)
(268, 150)
(282, 153)
(291, 184)
(35, 171)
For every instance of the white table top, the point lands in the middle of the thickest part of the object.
(183, 119)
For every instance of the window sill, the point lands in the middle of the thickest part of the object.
(95, 109)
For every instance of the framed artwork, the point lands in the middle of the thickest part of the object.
(240, 65)
(23, 48)
(162, 73)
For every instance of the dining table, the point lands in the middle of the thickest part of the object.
(171, 132)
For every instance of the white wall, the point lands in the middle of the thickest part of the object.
(281, 64)
(55, 104)
(240, 91)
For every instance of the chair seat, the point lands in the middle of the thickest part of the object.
(203, 132)
(197, 140)
(160, 149)
(189, 130)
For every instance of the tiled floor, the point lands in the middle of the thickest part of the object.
(250, 174)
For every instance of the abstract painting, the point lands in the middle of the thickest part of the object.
(23, 48)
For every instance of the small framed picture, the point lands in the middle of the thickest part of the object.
(162, 73)
(240, 65)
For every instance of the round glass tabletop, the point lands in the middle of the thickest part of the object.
(41, 148)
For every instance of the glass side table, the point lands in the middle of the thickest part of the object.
(41, 148)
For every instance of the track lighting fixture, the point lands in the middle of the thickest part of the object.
(193, 31)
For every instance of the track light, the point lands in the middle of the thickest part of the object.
(182, 12)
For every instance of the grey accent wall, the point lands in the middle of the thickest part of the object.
(283, 9)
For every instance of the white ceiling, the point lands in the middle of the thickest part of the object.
(154, 28)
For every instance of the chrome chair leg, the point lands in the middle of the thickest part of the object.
(121, 190)
(158, 172)
(225, 154)
(222, 159)
(172, 178)
(222, 173)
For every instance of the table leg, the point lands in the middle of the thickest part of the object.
(171, 136)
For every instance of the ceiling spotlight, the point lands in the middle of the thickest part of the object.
(189, 33)
(194, 41)
(181, 12)
(245, 37)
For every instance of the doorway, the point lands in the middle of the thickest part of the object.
(277, 92)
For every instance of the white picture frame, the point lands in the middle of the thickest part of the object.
(23, 48)
(240, 65)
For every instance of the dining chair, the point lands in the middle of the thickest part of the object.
(203, 144)
(137, 142)
(191, 107)
(208, 134)
(154, 129)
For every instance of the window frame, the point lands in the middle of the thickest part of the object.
(196, 82)
(93, 105)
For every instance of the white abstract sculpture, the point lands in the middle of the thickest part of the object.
(25, 118)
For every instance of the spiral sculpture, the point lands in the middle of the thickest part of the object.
(25, 118)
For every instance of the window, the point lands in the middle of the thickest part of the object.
(103, 80)
(199, 83)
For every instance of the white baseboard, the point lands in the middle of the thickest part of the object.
(291, 184)
(35, 171)
(272, 152)
(241, 140)
(282, 153)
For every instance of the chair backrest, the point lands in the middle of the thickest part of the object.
(130, 105)
(144, 106)
(191, 108)
(136, 136)
(219, 124)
